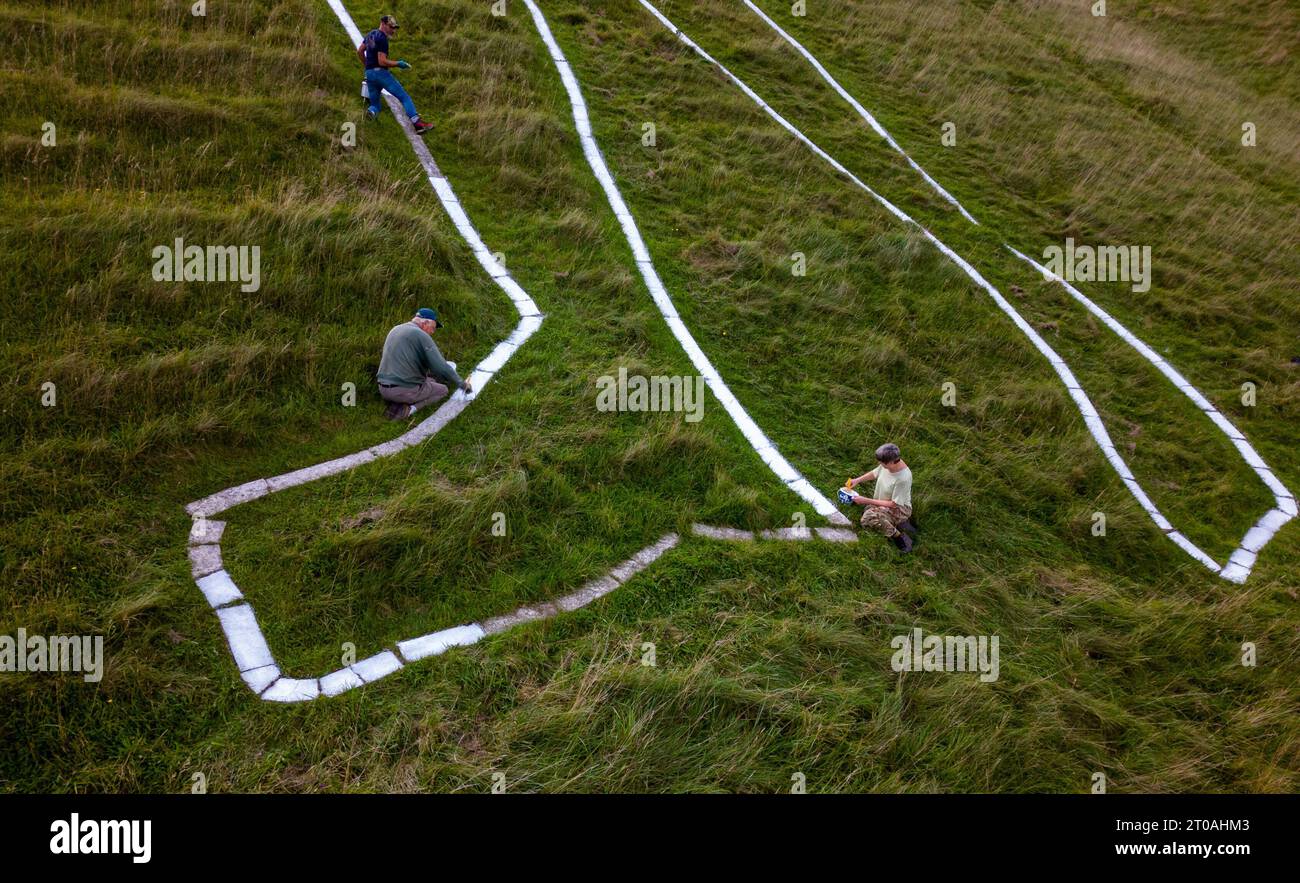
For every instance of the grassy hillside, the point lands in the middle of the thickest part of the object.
(1119, 653)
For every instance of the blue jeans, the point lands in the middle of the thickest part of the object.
(381, 78)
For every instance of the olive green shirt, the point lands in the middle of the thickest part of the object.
(410, 355)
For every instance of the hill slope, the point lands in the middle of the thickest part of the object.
(1119, 653)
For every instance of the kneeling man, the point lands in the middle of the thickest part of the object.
(891, 506)
(412, 365)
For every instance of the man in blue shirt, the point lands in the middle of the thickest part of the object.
(373, 53)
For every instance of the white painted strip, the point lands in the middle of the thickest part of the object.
(434, 423)
(263, 676)
(204, 560)
(320, 470)
(219, 589)
(1234, 572)
(292, 690)
(258, 679)
(1082, 402)
(731, 534)
(497, 624)
(837, 534)
(518, 296)
(346, 20)
(787, 533)
(641, 255)
(590, 591)
(391, 447)
(734, 534)
(204, 530)
(439, 642)
(372, 668)
(1067, 376)
(832, 514)
(1285, 500)
(1272, 520)
(497, 358)
(862, 111)
(1243, 558)
(525, 329)
(643, 559)
(1192, 549)
(246, 642)
(1145, 502)
(231, 496)
(340, 681)
(772, 457)
(1095, 427)
(659, 295)
(442, 187)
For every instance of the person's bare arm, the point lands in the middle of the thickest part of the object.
(868, 476)
(361, 53)
(867, 501)
(383, 60)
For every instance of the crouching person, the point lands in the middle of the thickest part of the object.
(412, 372)
(888, 510)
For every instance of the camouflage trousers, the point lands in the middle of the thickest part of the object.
(885, 521)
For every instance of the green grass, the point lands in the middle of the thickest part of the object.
(1119, 654)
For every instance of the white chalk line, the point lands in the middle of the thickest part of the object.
(248, 646)
(739, 535)
(765, 447)
(1243, 559)
(863, 112)
(259, 670)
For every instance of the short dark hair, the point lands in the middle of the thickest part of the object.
(888, 453)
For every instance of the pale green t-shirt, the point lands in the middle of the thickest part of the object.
(896, 486)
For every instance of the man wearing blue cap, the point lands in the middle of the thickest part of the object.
(412, 365)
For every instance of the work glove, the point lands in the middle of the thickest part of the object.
(401, 63)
